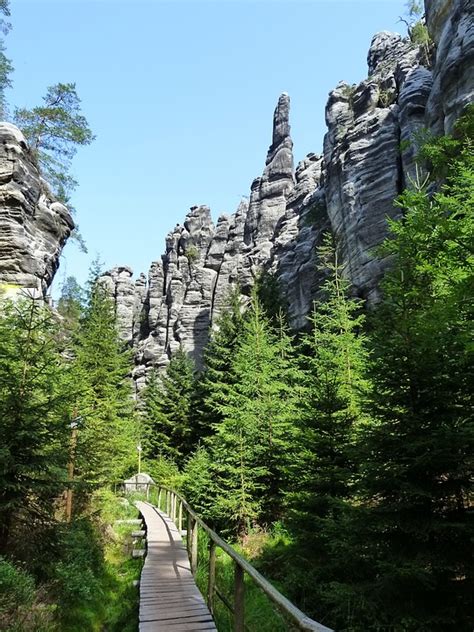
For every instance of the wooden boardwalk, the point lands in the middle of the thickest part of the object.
(169, 597)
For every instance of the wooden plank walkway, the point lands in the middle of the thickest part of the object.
(169, 597)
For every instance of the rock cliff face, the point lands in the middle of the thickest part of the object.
(451, 26)
(365, 167)
(33, 225)
(368, 159)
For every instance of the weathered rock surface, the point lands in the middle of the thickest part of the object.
(33, 225)
(125, 293)
(368, 159)
(451, 26)
(365, 167)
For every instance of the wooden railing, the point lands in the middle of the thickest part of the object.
(176, 507)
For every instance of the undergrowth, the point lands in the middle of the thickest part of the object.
(83, 582)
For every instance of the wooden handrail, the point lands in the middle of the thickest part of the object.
(298, 618)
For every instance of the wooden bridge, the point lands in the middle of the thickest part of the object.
(169, 597)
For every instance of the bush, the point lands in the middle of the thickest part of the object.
(17, 588)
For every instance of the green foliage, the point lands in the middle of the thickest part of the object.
(167, 407)
(192, 253)
(21, 609)
(419, 35)
(252, 445)
(260, 613)
(54, 131)
(70, 304)
(33, 413)
(270, 296)
(415, 8)
(213, 383)
(386, 98)
(334, 380)
(77, 573)
(417, 454)
(6, 67)
(163, 471)
(100, 373)
(198, 484)
(417, 28)
(17, 588)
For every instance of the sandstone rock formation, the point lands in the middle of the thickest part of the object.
(33, 225)
(365, 166)
(368, 159)
(451, 26)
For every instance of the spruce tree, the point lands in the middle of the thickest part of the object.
(70, 304)
(213, 383)
(252, 445)
(101, 379)
(334, 371)
(33, 415)
(417, 476)
(167, 427)
(334, 365)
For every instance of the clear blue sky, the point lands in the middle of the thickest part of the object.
(181, 97)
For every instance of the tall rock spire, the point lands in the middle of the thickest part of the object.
(270, 191)
(281, 125)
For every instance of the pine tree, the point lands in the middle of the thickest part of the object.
(33, 415)
(54, 130)
(6, 67)
(101, 369)
(252, 444)
(167, 427)
(417, 480)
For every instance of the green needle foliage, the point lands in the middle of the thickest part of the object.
(70, 305)
(101, 370)
(6, 67)
(251, 447)
(33, 415)
(54, 131)
(418, 454)
(167, 429)
(334, 366)
(213, 383)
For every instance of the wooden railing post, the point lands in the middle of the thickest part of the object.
(239, 599)
(168, 502)
(194, 547)
(173, 509)
(159, 498)
(188, 535)
(180, 517)
(211, 584)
